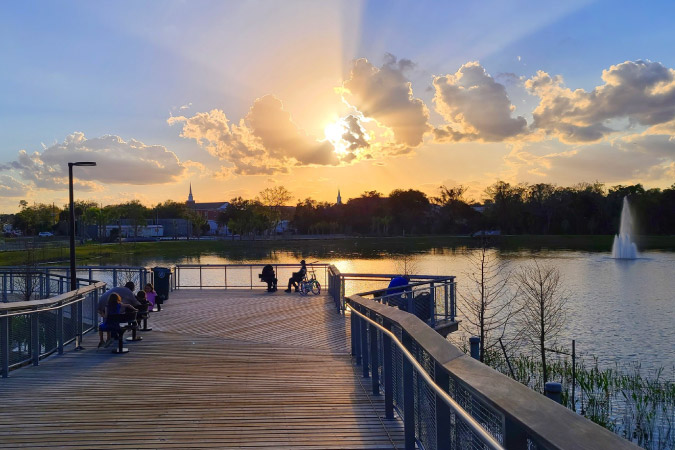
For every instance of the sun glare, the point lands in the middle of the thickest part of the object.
(334, 132)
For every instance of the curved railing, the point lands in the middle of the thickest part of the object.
(32, 330)
(511, 414)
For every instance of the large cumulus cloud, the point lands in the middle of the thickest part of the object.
(118, 162)
(385, 94)
(266, 141)
(477, 105)
(641, 92)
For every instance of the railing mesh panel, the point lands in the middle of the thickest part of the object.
(69, 322)
(489, 419)
(425, 400)
(48, 326)
(19, 339)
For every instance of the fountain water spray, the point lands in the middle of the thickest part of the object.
(624, 247)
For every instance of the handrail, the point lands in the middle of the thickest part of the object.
(38, 306)
(515, 415)
(404, 287)
(475, 426)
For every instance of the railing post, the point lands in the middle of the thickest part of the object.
(356, 337)
(42, 286)
(4, 344)
(453, 306)
(59, 330)
(4, 287)
(408, 397)
(442, 379)
(374, 356)
(35, 337)
(200, 276)
(388, 372)
(342, 293)
(445, 300)
(48, 287)
(364, 347)
(78, 325)
(91, 275)
(114, 277)
(432, 306)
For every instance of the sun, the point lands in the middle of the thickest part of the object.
(334, 133)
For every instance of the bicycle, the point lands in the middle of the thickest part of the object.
(310, 284)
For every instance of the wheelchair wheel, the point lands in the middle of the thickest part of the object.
(304, 288)
(316, 288)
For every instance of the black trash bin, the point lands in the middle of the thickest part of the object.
(162, 282)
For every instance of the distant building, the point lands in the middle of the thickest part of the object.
(339, 198)
(208, 211)
(129, 231)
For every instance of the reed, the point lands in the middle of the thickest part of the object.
(636, 405)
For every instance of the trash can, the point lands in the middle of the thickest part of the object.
(162, 282)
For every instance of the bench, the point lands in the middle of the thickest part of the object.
(130, 319)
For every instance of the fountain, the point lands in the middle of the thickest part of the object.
(624, 247)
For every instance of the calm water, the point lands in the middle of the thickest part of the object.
(619, 311)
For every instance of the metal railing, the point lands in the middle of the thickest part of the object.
(238, 276)
(448, 400)
(32, 330)
(53, 280)
(432, 298)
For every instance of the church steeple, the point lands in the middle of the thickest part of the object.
(339, 199)
(190, 200)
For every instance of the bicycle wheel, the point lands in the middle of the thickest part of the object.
(316, 288)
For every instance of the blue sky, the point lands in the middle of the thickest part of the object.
(126, 69)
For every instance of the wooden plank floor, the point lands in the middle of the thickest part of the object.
(221, 369)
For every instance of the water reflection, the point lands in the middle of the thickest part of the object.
(619, 310)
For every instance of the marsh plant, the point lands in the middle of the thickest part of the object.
(636, 405)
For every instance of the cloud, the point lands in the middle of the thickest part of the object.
(282, 138)
(266, 141)
(385, 94)
(118, 162)
(477, 107)
(629, 159)
(641, 92)
(11, 187)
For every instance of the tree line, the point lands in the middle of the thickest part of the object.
(586, 208)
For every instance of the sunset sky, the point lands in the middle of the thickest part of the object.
(317, 95)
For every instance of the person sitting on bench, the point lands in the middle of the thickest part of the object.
(268, 276)
(297, 277)
(114, 306)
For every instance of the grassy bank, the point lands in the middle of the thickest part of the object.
(133, 253)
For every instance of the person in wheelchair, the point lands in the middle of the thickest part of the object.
(297, 277)
(268, 276)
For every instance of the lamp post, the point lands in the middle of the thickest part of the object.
(73, 277)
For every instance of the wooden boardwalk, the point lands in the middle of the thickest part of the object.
(221, 369)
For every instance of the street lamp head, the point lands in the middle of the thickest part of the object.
(83, 163)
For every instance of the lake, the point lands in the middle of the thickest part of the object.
(620, 311)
